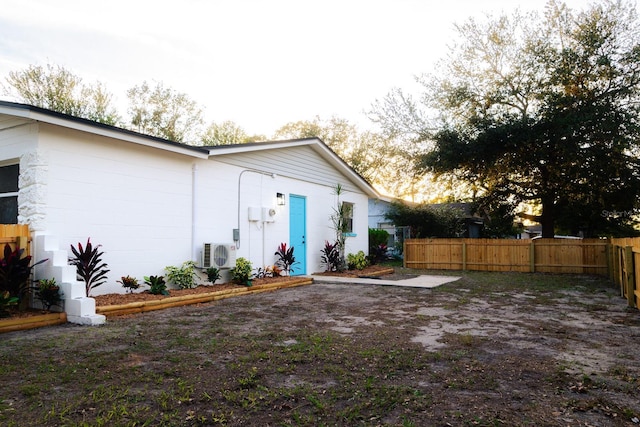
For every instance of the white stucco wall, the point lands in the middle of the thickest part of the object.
(218, 213)
(150, 208)
(134, 201)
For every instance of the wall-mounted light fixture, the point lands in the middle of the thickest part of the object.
(280, 199)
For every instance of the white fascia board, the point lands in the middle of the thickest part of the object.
(107, 131)
(222, 150)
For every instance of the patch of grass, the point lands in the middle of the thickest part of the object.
(274, 359)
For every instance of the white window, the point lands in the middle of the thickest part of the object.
(347, 213)
(9, 194)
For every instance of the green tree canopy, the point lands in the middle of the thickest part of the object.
(226, 133)
(428, 221)
(56, 88)
(165, 113)
(540, 109)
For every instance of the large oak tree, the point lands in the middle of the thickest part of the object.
(544, 110)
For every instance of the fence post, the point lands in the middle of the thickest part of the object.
(464, 256)
(532, 257)
(620, 269)
(404, 253)
(610, 269)
(630, 276)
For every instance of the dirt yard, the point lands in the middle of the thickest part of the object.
(490, 349)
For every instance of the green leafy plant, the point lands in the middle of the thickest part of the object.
(48, 293)
(15, 270)
(89, 265)
(213, 274)
(184, 277)
(262, 273)
(129, 283)
(331, 258)
(357, 261)
(268, 271)
(157, 285)
(340, 223)
(241, 272)
(6, 301)
(378, 239)
(286, 260)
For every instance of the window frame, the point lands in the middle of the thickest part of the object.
(11, 194)
(347, 212)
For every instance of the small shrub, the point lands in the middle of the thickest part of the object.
(89, 266)
(14, 272)
(286, 260)
(213, 274)
(380, 254)
(6, 301)
(331, 258)
(129, 283)
(241, 273)
(377, 236)
(268, 271)
(157, 285)
(184, 277)
(276, 271)
(263, 272)
(358, 261)
(378, 240)
(48, 293)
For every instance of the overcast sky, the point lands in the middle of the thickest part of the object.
(259, 63)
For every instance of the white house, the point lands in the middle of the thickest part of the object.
(153, 203)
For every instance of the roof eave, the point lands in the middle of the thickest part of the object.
(316, 144)
(37, 114)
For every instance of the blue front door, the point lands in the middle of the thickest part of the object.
(297, 233)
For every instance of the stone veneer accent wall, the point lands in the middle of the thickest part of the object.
(32, 193)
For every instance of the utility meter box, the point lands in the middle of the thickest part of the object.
(255, 214)
(268, 214)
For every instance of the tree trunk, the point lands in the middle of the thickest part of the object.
(547, 219)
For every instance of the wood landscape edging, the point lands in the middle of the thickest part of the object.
(30, 322)
(143, 306)
(389, 270)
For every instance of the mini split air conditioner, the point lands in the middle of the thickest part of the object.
(219, 255)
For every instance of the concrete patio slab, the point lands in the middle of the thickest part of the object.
(423, 281)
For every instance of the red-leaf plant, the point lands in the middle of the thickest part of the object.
(89, 266)
(286, 260)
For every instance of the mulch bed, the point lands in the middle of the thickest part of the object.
(372, 270)
(29, 312)
(116, 299)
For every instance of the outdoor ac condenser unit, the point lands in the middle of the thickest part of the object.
(219, 255)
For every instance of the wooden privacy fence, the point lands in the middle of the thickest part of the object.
(16, 235)
(624, 254)
(580, 256)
